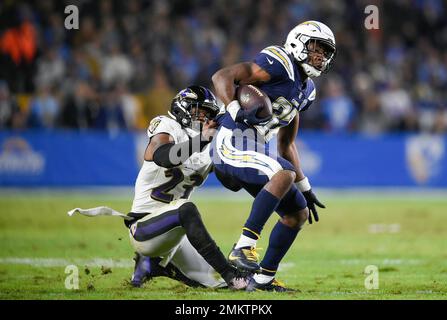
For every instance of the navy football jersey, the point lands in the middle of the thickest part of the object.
(285, 82)
(288, 93)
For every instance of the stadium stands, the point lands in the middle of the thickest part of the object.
(385, 80)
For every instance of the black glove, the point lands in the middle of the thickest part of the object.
(312, 200)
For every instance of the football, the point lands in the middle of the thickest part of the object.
(250, 97)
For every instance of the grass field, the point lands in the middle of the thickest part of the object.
(404, 236)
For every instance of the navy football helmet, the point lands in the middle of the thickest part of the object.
(185, 106)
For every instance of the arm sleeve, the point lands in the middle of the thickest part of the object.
(171, 155)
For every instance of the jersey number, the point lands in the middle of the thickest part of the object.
(283, 110)
(161, 193)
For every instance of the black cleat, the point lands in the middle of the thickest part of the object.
(245, 258)
(147, 268)
(273, 285)
(142, 270)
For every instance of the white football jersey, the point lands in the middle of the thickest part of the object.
(156, 186)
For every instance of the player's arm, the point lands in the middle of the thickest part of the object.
(224, 82)
(225, 79)
(287, 147)
(288, 150)
(166, 153)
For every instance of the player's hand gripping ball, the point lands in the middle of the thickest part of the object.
(256, 107)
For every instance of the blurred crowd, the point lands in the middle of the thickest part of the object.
(129, 58)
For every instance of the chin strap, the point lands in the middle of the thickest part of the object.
(310, 70)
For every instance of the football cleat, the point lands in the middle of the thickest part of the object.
(245, 258)
(147, 268)
(142, 270)
(273, 285)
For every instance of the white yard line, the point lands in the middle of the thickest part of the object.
(61, 262)
(128, 263)
(94, 262)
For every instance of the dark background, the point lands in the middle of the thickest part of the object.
(129, 58)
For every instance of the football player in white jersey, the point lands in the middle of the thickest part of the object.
(167, 231)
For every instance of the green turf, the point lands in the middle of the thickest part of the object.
(327, 261)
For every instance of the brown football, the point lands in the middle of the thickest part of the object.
(250, 97)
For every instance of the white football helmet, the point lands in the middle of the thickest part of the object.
(298, 38)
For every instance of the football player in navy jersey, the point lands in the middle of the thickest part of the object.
(275, 180)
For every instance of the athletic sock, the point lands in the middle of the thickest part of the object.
(281, 238)
(202, 241)
(217, 260)
(263, 206)
(245, 241)
(262, 278)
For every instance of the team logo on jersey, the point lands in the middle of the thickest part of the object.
(243, 157)
(154, 124)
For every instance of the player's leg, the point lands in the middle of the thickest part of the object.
(154, 239)
(143, 269)
(147, 268)
(268, 183)
(294, 214)
(161, 236)
(200, 240)
(190, 263)
(265, 203)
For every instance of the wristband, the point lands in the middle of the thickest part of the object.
(303, 185)
(233, 107)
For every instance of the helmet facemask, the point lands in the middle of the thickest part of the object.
(316, 49)
(307, 40)
(194, 106)
(200, 113)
